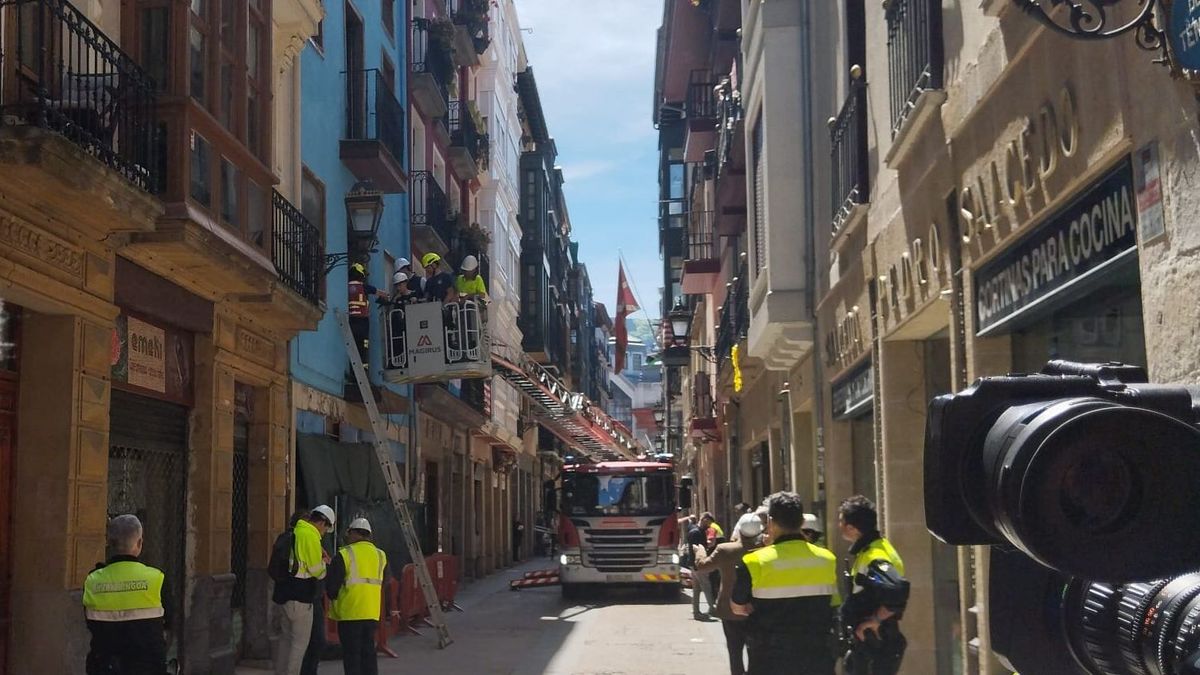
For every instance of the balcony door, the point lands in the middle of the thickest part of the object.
(356, 76)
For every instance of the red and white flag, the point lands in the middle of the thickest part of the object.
(625, 305)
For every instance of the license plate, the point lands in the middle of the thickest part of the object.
(620, 577)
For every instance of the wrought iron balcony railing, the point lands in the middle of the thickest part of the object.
(698, 239)
(851, 177)
(735, 314)
(915, 54)
(473, 15)
(464, 133)
(430, 208)
(297, 250)
(431, 55)
(372, 111)
(62, 73)
(729, 115)
(701, 103)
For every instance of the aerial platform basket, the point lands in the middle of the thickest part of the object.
(435, 342)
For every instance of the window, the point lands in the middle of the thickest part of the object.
(418, 141)
(318, 39)
(258, 40)
(154, 43)
(198, 57)
(389, 17)
(201, 171)
(258, 214)
(388, 70)
(230, 193)
(312, 199)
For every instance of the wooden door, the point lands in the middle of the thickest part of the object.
(8, 440)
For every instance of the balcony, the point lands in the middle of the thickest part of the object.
(703, 424)
(297, 250)
(915, 56)
(468, 146)
(432, 69)
(433, 227)
(701, 110)
(373, 144)
(471, 36)
(851, 175)
(81, 114)
(701, 266)
(731, 162)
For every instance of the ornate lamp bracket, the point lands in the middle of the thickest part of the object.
(1098, 20)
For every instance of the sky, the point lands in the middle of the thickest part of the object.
(594, 64)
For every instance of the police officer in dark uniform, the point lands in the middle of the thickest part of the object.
(122, 600)
(788, 591)
(878, 592)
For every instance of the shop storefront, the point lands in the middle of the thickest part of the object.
(854, 411)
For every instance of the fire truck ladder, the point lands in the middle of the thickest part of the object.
(396, 489)
(569, 414)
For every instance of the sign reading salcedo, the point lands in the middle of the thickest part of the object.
(1096, 228)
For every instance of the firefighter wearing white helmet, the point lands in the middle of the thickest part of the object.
(355, 585)
(297, 565)
(469, 284)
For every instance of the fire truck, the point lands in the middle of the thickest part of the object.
(617, 524)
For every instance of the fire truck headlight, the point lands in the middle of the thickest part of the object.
(668, 558)
(567, 559)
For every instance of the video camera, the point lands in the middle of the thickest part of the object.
(1085, 480)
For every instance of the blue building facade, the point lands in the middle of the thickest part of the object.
(353, 128)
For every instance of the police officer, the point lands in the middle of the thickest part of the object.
(878, 592)
(122, 600)
(355, 584)
(788, 590)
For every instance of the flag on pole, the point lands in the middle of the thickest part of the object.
(625, 305)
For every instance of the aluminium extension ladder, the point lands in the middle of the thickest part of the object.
(396, 489)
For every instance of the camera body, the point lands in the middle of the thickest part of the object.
(1083, 479)
(1069, 466)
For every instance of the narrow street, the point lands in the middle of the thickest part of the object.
(535, 631)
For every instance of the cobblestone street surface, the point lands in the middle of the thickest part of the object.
(503, 632)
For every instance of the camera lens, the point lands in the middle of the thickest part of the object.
(1094, 488)
(1132, 629)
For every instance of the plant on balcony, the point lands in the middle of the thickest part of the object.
(473, 14)
(471, 238)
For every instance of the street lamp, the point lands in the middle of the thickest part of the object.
(681, 323)
(659, 413)
(364, 212)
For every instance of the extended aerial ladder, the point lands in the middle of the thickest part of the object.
(396, 489)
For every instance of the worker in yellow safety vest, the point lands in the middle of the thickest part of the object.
(355, 584)
(789, 591)
(122, 600)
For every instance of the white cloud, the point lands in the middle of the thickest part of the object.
(579, 171)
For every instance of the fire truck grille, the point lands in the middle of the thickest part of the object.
(627, 550)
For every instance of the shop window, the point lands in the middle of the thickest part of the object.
(862, 443)
(1104, 326)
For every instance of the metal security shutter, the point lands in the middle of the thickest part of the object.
(147, 476)
(760, 224)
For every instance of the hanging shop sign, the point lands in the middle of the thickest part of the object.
(1183, 34)
(854, 394)
(1084, 238)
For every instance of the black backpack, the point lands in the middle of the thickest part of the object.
(283, 564)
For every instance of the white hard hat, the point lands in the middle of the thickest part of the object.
(811, 522)
(399, 278)
(469, 263)
(402, 263)
(360, 524)
(749, 526)
(326, 513)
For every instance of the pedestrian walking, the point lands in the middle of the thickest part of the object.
(701, 583)
(122, 601)
(725, 559)
(355, 584)
(787, 590)
(878, 592)
(297, 565)
(518, 536)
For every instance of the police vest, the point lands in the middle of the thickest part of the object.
(880, 549)
(358, 305)
(792, 569)
(360, 598)
(125, 590)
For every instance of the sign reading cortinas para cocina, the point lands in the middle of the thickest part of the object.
(1083, 238)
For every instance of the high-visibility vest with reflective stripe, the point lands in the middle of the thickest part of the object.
(792, 569)
(307, 555)
(360, 597)
(125, 590)
(358, 305)
(880, 549)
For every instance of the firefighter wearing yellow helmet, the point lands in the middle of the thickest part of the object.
(359, 308)
(439, 284)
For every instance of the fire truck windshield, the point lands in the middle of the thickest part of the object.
(618, 495)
